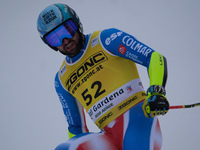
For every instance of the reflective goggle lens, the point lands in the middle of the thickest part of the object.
(66, 30)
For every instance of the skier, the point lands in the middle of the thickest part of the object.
(99, 75)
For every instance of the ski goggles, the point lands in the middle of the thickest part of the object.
(65, 30)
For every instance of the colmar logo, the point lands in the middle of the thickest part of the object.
(122, 49)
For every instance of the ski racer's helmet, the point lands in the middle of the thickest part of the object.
(55, 15)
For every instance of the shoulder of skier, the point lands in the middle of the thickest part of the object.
(125, 45)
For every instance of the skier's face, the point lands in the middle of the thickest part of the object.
(65, 38)
(70, 46)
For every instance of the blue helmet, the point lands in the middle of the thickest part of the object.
(54, 15)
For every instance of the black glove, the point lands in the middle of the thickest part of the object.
(156, 103)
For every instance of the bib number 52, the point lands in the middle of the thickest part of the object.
(99, 91)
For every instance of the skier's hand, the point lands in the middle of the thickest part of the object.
(156, 103)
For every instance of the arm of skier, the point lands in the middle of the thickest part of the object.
(156, 103)
(73, 110)
(127, 46)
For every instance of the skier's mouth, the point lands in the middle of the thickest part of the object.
(70, 47)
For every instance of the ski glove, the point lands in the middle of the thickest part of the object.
(156, 103)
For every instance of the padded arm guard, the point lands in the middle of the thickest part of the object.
(157, 69)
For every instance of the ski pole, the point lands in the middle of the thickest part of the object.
(184, 106)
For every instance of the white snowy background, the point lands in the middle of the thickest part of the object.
(31, 116)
